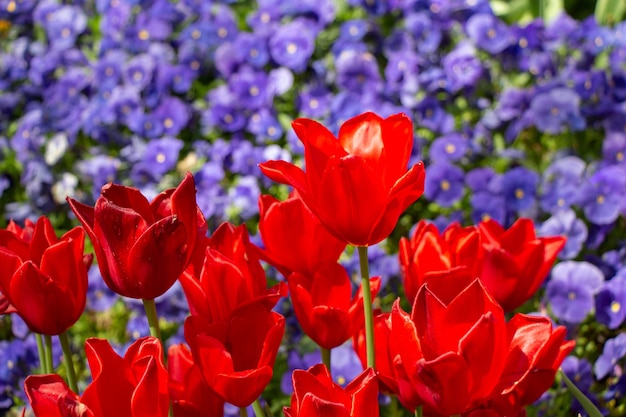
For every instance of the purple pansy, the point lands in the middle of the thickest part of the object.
(556, 110)
(561, 183)
(565, 223)
(488, 32)
(519, 186)
(611, 302)
(450, 147)
(571, 290)
(602, 195)
(444, 183)
(614, 350)
(292, 45)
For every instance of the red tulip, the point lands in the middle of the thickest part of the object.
(356, 184)
(230, 276)
(134, 386)
(142, 247)
(317, 395)
(236, 356)
(453, 346)
(536, 353)
(49, 396)
(429, 253)
(294, 238)
(191, 397)
(324, 305)
(516, 262)
(17, 240)
(44, 279)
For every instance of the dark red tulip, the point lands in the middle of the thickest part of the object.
(45, 279)
(324, 305)
(236, 355)
(231, 275)
(142, 247)
(190, 395)
(356, 184)
(429, 253)
(294, 238)
(315, 394)
(133, 386)
(515, 261)
(453, 346)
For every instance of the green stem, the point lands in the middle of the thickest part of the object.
(418, 411)
(69, 363)
(153, 319)
(243, 412)
(258, 410)
(42, 354)
(393, 407)
(589, 407)
(325, 357)
(48, 352)
(367, 307)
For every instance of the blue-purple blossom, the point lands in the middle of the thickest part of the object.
(614, 148)
(571, 290)
(611, 302)
(603, 194)
(561, 183)
(292, 45)
(488, 32)
(450, 147)
(565, 223)
(519, 186)
(556, 111)
(425, 31)
(614, 350)
(462, 67)
(578, 371)
(444, 183)
(358, 72)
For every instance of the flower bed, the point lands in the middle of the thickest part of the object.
(512, 121)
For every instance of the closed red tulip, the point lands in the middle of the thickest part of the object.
(236, 355)
(317, 395)
(45, 279)
(49, 396)
(453, 346)
(231, 275)
(357, 184)
(17, 240)
(515, 261)
(142, 247)
(324, 305)
(536, 353)
(294, 238)
(191, 397)
(133, 386)
(429, 253)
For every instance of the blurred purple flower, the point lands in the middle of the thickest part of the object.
(561, 183)
(579, 372)
(565, 223)
(243, 198)
(425, 31)
(571, 290)
(358, 72)
(519, 186)
(462, 67)
(139, 70)
(602, 195)
(614, 148)
(488, 32)
(611, 302)
(556, 110)
(100, 298)
(292, 45)
(431, 115)
(444, 183)
(450, 147)
(314, 101)
(614, 350)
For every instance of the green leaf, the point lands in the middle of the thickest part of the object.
(582, 399)
(609, 12)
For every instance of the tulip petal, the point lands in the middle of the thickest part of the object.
(362, 136)
(151, 396)
(443, 384)
(128, 198)
(313, 406)
(397, 136)
(353, 200)
(50, 396)
(287, 173)
(157, 259)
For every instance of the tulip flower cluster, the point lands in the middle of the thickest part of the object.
(454, 353)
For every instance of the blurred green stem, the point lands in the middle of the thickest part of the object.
(367, 307)
(418, 411)
(153, 319)
(42, 354)
(325, 357)
(69, 362)
(243, 412)
(48, 353)
(258, 410)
